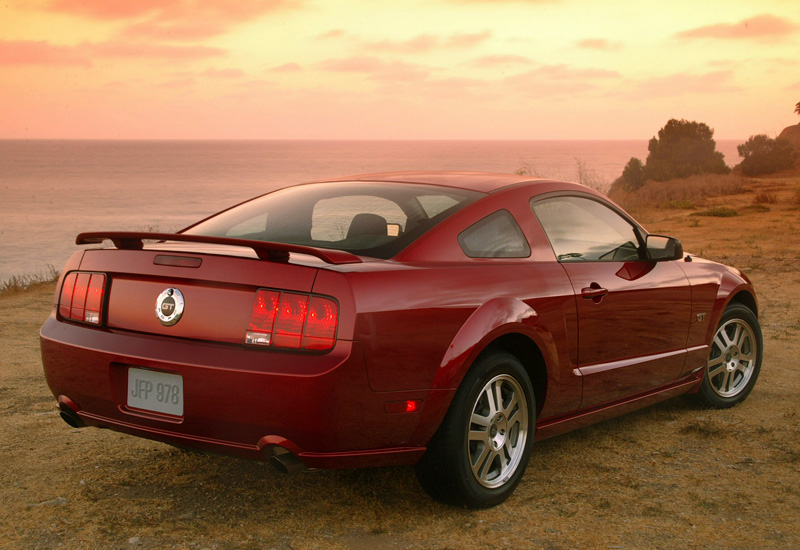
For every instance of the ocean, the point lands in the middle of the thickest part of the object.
(53, 190)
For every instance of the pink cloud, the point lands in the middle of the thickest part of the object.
(555, 80)
(333, 33)
(192, 30)
(466, 40)
(418, 44)
(174, 19)
(108, 10)
(500, 61)
(715, 82)
(759, 27)
(377, 68)
(563, 72)
(599, 44)
(427, 42)
(147, 50)
(224, 73)
(29, 52)
(286, 68)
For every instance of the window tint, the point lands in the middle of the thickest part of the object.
(582, 229)
(334, 218)
(371, 219)
(495, 236)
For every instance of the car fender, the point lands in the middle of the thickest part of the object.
(495, 318)
(732, 284)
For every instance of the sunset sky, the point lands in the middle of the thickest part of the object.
(374, 69)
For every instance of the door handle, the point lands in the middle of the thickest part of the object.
(594, 292)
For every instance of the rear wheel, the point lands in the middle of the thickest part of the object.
(479, 454)
(734, 360)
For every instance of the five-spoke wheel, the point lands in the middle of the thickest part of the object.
(482, 447)
(498, 431)
(734, 360)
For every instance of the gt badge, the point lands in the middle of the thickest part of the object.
(169, 307)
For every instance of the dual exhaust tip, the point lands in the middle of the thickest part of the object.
(282, 459)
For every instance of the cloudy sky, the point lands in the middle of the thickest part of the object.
(375, 69)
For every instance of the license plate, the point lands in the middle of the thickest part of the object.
(155, 391)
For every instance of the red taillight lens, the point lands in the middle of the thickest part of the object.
(67, 289)
(262, 318)
(293, 321)
(82, 296)
(320, 331)
(290, 321)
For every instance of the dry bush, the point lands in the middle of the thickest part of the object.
(764, 197)
(683, 193)
(17, 283)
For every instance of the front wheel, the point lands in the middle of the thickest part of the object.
(734, 360)
(479, 454)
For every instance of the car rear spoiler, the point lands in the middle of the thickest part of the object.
(275, 252)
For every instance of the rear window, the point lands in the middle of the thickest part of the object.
(369, 219)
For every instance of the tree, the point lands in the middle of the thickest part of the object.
(797, 108)
(682, 149)
(764, 155)
(633, 175)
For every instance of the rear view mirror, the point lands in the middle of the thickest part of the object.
(661, 248)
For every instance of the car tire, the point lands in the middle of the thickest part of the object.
(479, 454)
(734, 360)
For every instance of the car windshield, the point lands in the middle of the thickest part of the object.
(369, 219)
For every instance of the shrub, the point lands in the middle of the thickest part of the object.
(683, 149)
(764, 155)
(633, 175)
(763, 197)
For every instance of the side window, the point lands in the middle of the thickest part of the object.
(495, 236)
(582, 229)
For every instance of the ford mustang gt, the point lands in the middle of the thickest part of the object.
(443, 319)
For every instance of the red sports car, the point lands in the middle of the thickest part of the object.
(440, 319)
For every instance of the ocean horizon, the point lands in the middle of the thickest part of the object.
(54, 189)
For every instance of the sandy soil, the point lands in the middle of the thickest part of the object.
(672, 476)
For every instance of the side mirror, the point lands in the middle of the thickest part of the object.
(661, 248)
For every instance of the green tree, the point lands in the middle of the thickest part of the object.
(682, 149)
(764, 155)
(633, 175)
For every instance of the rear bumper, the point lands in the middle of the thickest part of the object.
(240, 401)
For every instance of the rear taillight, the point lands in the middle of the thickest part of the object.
(292, 321)
(82, 296)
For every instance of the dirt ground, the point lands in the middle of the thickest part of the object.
(672, 476)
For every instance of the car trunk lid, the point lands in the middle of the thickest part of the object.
(217, 285)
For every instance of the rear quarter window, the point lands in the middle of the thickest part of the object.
(495, 236)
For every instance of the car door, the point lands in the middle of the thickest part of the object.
(633, 314)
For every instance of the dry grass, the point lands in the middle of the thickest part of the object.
(17, 283)
(717, 212)
(672, 476)
(682, 194)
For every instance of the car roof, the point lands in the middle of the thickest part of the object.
(483, 182)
